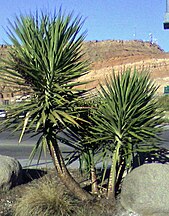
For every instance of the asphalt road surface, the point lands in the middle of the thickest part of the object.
(9, 146)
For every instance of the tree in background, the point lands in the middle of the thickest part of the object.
(46, 57)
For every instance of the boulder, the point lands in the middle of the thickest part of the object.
(145, 190)
(10, 172)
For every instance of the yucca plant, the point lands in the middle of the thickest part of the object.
(88, 152)
(46, 58)
(127, 121)
(83, 150)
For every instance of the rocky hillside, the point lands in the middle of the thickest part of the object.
(98, 51)
(109, 55)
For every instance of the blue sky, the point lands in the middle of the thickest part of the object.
(105, 19)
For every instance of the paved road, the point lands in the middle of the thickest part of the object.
(9, 146)
(165, 137)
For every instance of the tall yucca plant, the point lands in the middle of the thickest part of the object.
(46, 58)
(127, 121)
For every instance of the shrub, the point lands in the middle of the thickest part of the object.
(46, 198)
(164, 102)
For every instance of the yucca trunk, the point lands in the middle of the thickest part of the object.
(93, 176)
(113, 172)
(64, 174)
(94, 182)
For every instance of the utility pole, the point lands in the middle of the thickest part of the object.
(151, 38)
(166, 16)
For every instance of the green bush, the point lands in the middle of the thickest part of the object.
(164, 102)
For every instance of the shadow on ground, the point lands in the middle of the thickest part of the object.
(32, 174)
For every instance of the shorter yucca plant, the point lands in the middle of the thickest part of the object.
(127, 121)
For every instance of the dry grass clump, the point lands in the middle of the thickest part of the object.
(102, 207)
(48, 197)
(45, 198)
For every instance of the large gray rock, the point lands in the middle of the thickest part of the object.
(10, 172)
(146, 190)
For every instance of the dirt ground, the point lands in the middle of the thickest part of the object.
(8, 198)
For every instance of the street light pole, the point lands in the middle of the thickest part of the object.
(166, 16)
(167, 6)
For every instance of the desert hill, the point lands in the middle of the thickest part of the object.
(106, 56)
(116, 55)
(98, 51)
